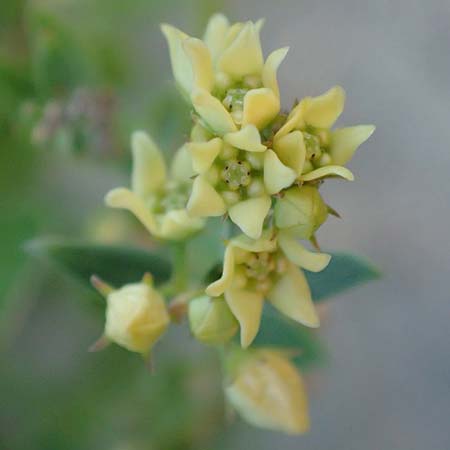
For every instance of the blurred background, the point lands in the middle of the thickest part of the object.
(76, 77)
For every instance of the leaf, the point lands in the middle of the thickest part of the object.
(281, 332)
(343, 272)
(115, 264)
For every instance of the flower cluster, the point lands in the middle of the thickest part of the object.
(260, 167)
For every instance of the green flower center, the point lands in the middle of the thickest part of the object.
(237, 174)
(174, 197)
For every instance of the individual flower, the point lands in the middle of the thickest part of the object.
(266, 389)
(325, 150)
(211, 320)
(237, 175)
(254, 270)
(136, 314)
(225, 76)
(157, 200)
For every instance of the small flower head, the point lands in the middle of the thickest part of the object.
(159, 202)
(136, 316)
(266, 268)
(266, 389)
(211, 320)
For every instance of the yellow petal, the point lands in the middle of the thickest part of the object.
(149, 168)
(181, 65)
(291, 296)
(299, 255)
(244, 56)
(204, 153)
(260, 107)
(224, 282)
(328, 171)
(277, 176)
(211, 110)
(323, 111)
(181, 168)
(125, 199)
(247, 138)
(294, 121)
(177, 224)
(201, 64)
(345, 141)
(266, 243)
(216, 31)
(204, 200)
(246, 306)
(249, 215)
(291, 149)
(269, 73)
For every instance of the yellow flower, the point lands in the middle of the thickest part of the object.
(225, 76)
(325, 150)
(211, 320)
(236, 174)
(266, 389)
(157, 201)
(254, 270)
(136, 315)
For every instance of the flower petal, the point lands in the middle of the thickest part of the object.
(244, 56)
(181, 65)
(204, 200)
(260, 107)
(291, 149)
(323, 111)
(149, 168)
(345, 141)
(181, 168)
(246, 306)
(125, 199)
(247, 138)
(294, 121)
(269, 73)
(219, 286)
(215, 33)
(328, 171)
(249, 215)
(201, 63)
(177, 224)
(299, 255)
(211, 110)
(291, 296)
(204, 153)
(266, 243)
(277, 176)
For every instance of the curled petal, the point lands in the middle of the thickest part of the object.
(246, 306)
(260, 107)
(201, 64)
(328, 171)
(345, 141)
(324, 110)
(211, 110)
(204, 153)
(244, 56)
(149, 168)
(247, 138)
(215, 33)
(277, 176)
(125, 199)
(249, 215)
(291, 149)
(204, 200)
(266, 243)
(291, 296)
(294, 121)
(269, 73)
(219, 286)
(299, 255)
(177, 224)
(181, 168)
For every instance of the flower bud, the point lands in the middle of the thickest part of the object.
(267, 391)
(211, 320)
(301, 210)
(136, 316)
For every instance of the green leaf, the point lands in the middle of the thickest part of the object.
(281, 332)
(343, 272)
(115, 264)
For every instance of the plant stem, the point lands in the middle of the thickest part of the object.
(180, 267)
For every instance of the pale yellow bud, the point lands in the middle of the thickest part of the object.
(211, 320)
(136, 316)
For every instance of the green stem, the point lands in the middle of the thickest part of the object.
(180, 267)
